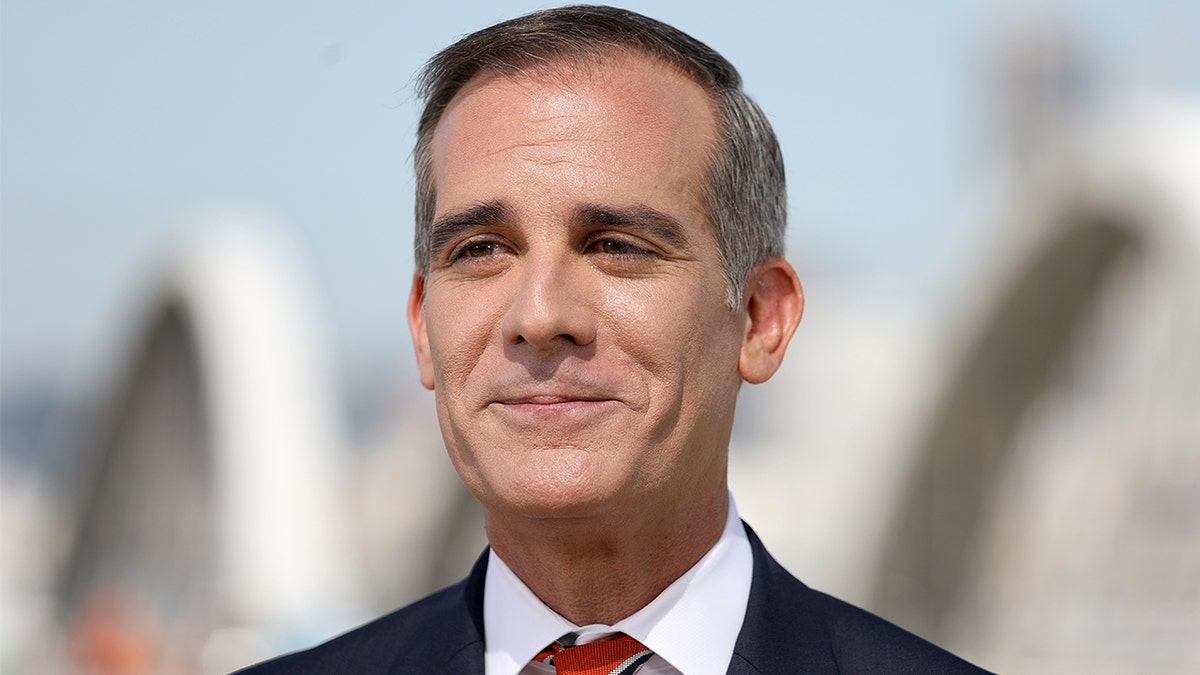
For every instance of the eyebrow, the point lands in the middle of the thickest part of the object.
(639, 218)
(452, 225)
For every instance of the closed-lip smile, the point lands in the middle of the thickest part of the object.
(544, 408)
(550, 399)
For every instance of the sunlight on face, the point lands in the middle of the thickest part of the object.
(573, 323)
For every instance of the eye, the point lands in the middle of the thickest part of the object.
(612, 247)
(480, 249)
(479, 254)
(617, 247)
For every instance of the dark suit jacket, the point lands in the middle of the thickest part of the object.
(789, 628)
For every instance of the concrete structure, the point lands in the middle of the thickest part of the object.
(1050, 519)
(213, 497)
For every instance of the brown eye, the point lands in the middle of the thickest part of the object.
(612, 247)
(481, 249)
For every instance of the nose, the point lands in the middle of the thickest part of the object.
(551, 308)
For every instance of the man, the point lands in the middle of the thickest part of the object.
(600, 226)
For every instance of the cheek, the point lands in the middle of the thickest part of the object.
(676, 334)
(459, 332)
(643, 325)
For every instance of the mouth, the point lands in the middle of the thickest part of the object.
(551, 407)
(549, 399)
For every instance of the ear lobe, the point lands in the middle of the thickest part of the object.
(774, 302)
(416, 325)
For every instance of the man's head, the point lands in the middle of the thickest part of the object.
(572, 313)
(743, 189)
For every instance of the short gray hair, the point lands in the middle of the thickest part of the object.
(744, 193)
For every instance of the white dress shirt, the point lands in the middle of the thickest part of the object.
(691, 626)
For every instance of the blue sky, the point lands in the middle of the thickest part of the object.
(120, 121)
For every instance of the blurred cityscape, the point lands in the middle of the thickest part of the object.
(1012, 471)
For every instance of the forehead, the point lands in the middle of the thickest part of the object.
(622, 125)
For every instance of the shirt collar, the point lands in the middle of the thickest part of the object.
(693, 624)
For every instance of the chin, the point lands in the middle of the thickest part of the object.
(553, 490)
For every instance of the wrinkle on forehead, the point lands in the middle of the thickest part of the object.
(516, 146)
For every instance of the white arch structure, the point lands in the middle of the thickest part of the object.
(218, 466)
(1110, 216)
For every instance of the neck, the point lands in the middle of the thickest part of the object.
(601, 569)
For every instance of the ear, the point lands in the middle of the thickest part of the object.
(416, 324)
(773, 301)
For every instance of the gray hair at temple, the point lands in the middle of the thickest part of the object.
(744, 193)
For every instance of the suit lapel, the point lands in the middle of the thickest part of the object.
(448, 635)
(469, 658)
(784, 630)
(470, 637)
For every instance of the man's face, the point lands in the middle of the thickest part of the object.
(573, 324)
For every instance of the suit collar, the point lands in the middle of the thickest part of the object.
(462, 634)
(784, 629)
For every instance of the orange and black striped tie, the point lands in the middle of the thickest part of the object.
(620, 655)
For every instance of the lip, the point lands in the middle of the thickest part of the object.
(566, 390)
(544, 408)
(550, 399)
(573, 394)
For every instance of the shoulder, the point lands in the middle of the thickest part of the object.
(440, 633)
(790, 625)
(865, 643)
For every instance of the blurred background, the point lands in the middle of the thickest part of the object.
(214, 448)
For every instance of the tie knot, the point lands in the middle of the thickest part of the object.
(620, 655)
